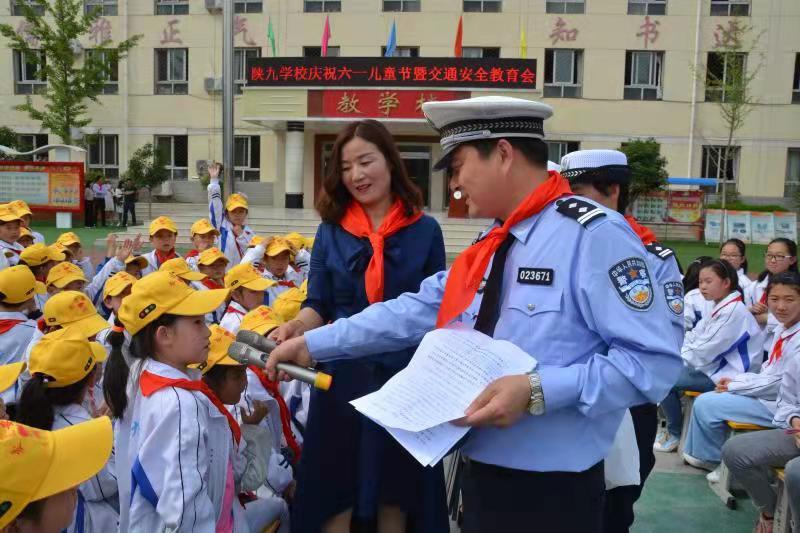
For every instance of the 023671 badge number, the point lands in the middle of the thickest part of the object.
(535, 276)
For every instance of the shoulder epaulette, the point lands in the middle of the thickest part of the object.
(581, 210)
(658, 249)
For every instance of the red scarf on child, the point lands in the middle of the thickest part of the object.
(286, 417)
(162, 257)
(644, 233)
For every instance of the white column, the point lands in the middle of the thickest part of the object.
(294, 164)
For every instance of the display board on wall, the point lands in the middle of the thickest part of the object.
(44, 185)
(679, 207)
(752, 227)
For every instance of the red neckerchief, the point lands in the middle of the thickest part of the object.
(150, 383)
(763, 299)
(644, 233)
(232, 309)
(192, 253)
(7, 324)
(287, 283)
(211, 284)
(162, 257)
(737, 299)
(286, 417)
(777, 350)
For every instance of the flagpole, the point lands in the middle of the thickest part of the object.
(227, 95)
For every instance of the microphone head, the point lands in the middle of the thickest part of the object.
(240, 352)
(259, 342)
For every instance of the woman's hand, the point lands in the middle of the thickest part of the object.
(291, 351)
(722, 386)
(293, 328)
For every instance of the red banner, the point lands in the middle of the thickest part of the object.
(44, 185)
(379, 104)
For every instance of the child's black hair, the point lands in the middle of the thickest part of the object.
(724, 270)
(36, 403)
(739, 244)
(789, 278)
(791, 246)
(690, 278)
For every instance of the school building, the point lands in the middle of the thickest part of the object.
(612, 70)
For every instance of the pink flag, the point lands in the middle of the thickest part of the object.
(326, 36)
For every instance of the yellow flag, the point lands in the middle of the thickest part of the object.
(523, 44)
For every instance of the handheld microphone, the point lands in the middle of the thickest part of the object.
(259, 342)
(248, 355)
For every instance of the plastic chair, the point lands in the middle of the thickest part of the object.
(783, 518)
(723, 487)
(688, 403)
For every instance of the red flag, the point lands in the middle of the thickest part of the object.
(459, 32)
(326, 35)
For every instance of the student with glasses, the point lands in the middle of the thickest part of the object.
(734, 252)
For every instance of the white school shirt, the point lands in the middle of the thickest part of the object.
(744, 281)
(302, 261)
(152, 262)
(291, 279)
(94, 289)
(232, 319)
(172, 454)
(98, 500)
(695, 307)
(789, 395)
(13, 344)
(14, 249)
(86, 266)
(726, 342)
(753, 296)
(229, 244)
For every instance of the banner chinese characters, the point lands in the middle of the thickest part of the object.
(375, 104)
(44, 185)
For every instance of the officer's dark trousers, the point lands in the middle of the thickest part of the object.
(618, 517)
(515, 501)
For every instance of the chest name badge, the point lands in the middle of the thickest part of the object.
(673, 292)
(535, 276)
(632, 283)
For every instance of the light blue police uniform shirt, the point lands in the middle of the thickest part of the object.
(600, 332)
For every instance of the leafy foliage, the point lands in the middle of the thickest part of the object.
(648, 166)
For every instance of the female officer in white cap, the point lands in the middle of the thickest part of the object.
(569, 284)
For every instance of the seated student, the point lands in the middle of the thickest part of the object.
(73, 243)
(135, 265)
(749, 397)
(116, 289)
(227, 378)
(67, 276)
(25, 216)
(181, 268)
(724, 343)
(231, 222)
(301, 246)
(695, 306)
(10, 225)
(212, 263)
(163, 234)
(17, 290)
(170, 426)
(247, 288)
(41, 258)
(752, 456)
(39, 486)
(64, 367)
(274, 254)
(734, 252)
(204, 236)
(26, 237)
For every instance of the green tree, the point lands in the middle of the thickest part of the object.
(147, 168)
(51, 41)
(9, 139)
(648, 166)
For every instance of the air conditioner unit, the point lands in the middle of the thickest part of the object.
(214, 5)
(213, 85)
(201, 166)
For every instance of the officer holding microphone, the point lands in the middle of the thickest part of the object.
(563, 278)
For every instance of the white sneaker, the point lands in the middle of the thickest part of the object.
(697, 463)
(715, 475)
(668, 445)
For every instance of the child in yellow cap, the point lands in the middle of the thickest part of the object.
(63, 367)
(117, 288)
(212, 262)
(72, 242)
(231, 222)
(301, 256)
(41, 470)
(170, 428)
(10, 225)
(204, 236)
(163, 234)
(181, 268)
(248, 291)
(26, 238)
(135, 265)
(22, 209)
(272, 257)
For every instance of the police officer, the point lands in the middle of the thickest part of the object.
(604, 176)
(561, 277)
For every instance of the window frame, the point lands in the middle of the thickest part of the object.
(111, 86)
(171, 7)
(21, 81)
(467, 51)
(706, 162)
(246, 51)
(710, 89)
(559, 89)
(552, 7)
(730, 6)
(248, 6)
(402, 6)
(482, 6)
(39, 140)
(796, 80)
(108, 8)
(791, 188)
(17, 12)
(336, 6)
(631, 72)
(564, 148)
(109, 169)
(181, 172)
(413, 51)
(647, 4)
(182, 85)
(318, 51)
(248, 172)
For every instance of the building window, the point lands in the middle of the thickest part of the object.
(29, 142)
(105, 7)
(104, 155)
(172, 7)
(240, 57)
(796, 82)
(175, 151)
(248, 6)
(403, 51)
(247, 157)
(714, 166)
(558, 149)
(112, 79)
(26, 72)
(401, 5)
(792, 184)
(724, 75)
(566, 6)
(563, 73)
(17, 10)
(647, 7)
(316, 51)
(730, 8)
(643, 75)
(172, 71)
(483, 6)
(322, 6)
(478, 51)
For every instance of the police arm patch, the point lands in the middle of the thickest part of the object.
(631, 281)
(673, 292)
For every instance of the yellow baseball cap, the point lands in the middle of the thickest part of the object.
(261, 320)
(255, 241)
(65, 357)
(297, 241)
(74, 310)
(278, 245)
(118, 283)
(202, 227)
(140, 260)
(17, 284)
(288, 303)
(20, 208)
(211, 256)
(221, 339)
(38, 463)
(7, 214)
(68, 238)
(244, 275)
(39, 254)
(163, 223)
(61, 248)
(181, 268)
(64, 273)
(25, 232)
(9, 375)
(163, 292)
(235, 200)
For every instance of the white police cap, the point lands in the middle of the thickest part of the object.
(553, 166)
(591, 165)
(484, 117)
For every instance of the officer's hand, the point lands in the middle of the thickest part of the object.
(501, 404)
(292, 351)
(290, 330)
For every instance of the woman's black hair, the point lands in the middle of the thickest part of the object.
(792, 279)
(791, 246)
(35, 405)
(739, 244)
(690, 278)
(115, 376)
(724, 270)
